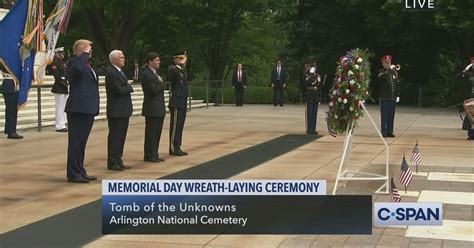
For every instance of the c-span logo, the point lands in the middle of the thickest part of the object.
(408, 214)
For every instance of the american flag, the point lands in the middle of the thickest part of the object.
(415, 156)
(405, 173)
(394, 192)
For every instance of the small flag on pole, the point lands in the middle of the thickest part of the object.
(394, 192)
(415, 156)
(405, 174)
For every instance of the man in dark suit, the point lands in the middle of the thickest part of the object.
(278, 79)
(119, 110)
(60, 88)
(153, 107)
(389, 95)
(10, 95)
(239, 83)
(468, 75)
(178, 102)
(81, 107)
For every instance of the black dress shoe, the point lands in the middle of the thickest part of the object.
(115, 168)
(90, 178)
(78, 180)
(176, 154)
(125, 166)
(64, 130)
(470, 138)
(316, 133)
(161, 159)
(391, 135)
(281, 105)
(183, 153)
(14, 136)
(152, 160)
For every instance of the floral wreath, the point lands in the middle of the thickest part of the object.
(349, 91)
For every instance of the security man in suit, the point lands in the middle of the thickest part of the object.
(389, 95)
(178, 102)
(153, 107)
(312, 97)
(119, 110)
(239, 83)
(10, 95)
(60, 88)
(81, 108)
(278, 79)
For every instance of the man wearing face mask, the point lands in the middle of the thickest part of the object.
(178, 78)
(389, 95)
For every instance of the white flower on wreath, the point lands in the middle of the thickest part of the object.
(334, 92)
(359, 60)
(331, 104)
(352, 82)
(350, 73)
(339, 99)
(344, 101)
(357, 114)
(335, 117)
(351, 108)
(347, 91)
(356, 66)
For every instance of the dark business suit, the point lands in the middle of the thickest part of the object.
(119, 110)
(81, 107)
(154, 111)
(389, 91)
(278, 80)
(177, 105)
(239, 85)
(10, 95)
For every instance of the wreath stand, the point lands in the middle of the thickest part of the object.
(346, 175)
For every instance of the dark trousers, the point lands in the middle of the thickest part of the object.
(79, 126)
(239, 95)
(311, 117)
(11, 112)
(178, 116)
(277, 95)
(470, 131)
(116, 140)
(387, 116)
(153, 127)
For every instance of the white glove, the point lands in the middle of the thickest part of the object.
(398, 99)
(312, 70)
(392, 67)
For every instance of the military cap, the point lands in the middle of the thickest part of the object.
(181, 54)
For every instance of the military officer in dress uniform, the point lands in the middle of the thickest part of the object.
(178, 102)
(312, 96)
(60, 88)
(468, 75)
(389, 95)
(10, 94)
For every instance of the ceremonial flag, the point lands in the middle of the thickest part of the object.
(405, 173)
(51, 34)
(415, 156)
(12, 27)
(394, 192)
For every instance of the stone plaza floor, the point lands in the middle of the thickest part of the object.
(33, 172)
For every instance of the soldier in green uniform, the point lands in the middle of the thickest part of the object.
(178, 102)
(389, 95)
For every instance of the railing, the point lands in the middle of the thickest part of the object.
(101, 83)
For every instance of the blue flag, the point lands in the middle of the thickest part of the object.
(26, 78)
(11, 29)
